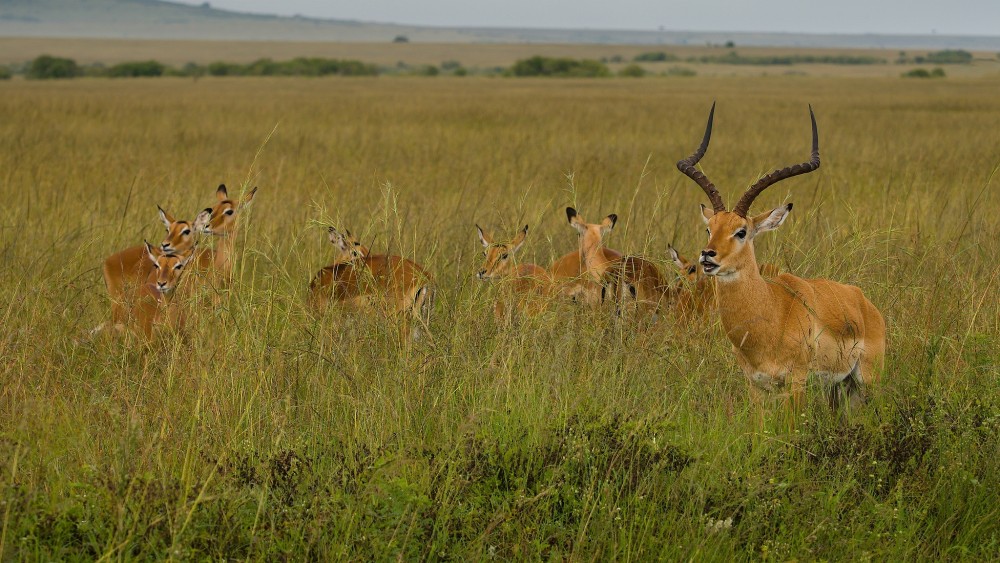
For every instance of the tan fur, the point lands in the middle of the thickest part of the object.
(787, 327)
(527, 286)
(359, 280)
(127, 269)
(221, 222)
(151, 304)
(579, 274)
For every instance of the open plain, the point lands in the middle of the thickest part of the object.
(264, 429)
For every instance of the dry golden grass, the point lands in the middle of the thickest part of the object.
(267, 430)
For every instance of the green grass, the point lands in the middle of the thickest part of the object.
(266, 431)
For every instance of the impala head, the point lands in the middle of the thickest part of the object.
(731, 233)
(180, 234)
(591, 234)
(499, 257)
(347, 244)
(220, 219)
(167, 267)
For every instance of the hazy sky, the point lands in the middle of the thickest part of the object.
(963, 17)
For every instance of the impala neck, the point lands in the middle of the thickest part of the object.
(592, 259)
(224, 249)
(746, 302)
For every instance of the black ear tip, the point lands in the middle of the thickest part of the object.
(525, 229)
(614, 218)
(788, 207)
(570, 212)
(222, 187)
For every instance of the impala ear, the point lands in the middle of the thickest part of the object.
(706, 213)
(770, 220)
(484, 238)
(248, 198)
(575, 220)
(339, 240)
(519, 239)
(202, 219)
(222, 194)
(608, 223)
(151, 252)
(676, 258)
(165, 217)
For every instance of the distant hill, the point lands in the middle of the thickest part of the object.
(156, 19)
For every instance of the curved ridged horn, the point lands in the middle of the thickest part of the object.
(762, 184)
(687, 167)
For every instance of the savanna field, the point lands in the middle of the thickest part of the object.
(267, 431)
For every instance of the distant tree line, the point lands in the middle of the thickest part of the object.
(734, 58)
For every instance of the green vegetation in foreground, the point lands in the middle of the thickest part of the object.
(266, 432)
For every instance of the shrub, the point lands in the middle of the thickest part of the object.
(937, 72)
(632, 71)
(137, 69)
(654, 57)
(48, 67)
(560, 67)
(450, 65)
(426, 70)
(400, 39)
(680, 71)
(949, 56)
(4, 73)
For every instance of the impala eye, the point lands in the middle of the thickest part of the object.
(186, 232)
(741, 234)
(708, 232)
(504, 256)
(179, 266)
(229, 212)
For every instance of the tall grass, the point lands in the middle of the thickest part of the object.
(265, 430)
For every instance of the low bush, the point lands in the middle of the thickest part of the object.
(47, 67)
(559, 67)
(137, 69)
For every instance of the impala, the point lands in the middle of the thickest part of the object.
(784, 328)
(638, 281)
(151, 303)
(220, 221)
(360, 280)
(130, 267)
(579, 274)
(526, 285)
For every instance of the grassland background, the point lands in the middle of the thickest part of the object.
(477, 56)
(270, 431)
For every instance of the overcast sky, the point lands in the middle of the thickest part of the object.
(961, 17)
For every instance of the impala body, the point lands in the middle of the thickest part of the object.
(221, 222)
(784, 328)
(361, 280)
(127, 269)
(527, 286)
(579, 274)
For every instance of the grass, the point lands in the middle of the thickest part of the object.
(265, 431)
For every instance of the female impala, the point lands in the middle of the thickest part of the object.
(579, 274)
(130, 267)
(781, 329)
(398, 285)
(634, 279)
(220, 221)
(527, 285)
(151, 303)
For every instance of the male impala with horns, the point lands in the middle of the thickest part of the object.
(784, 328)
